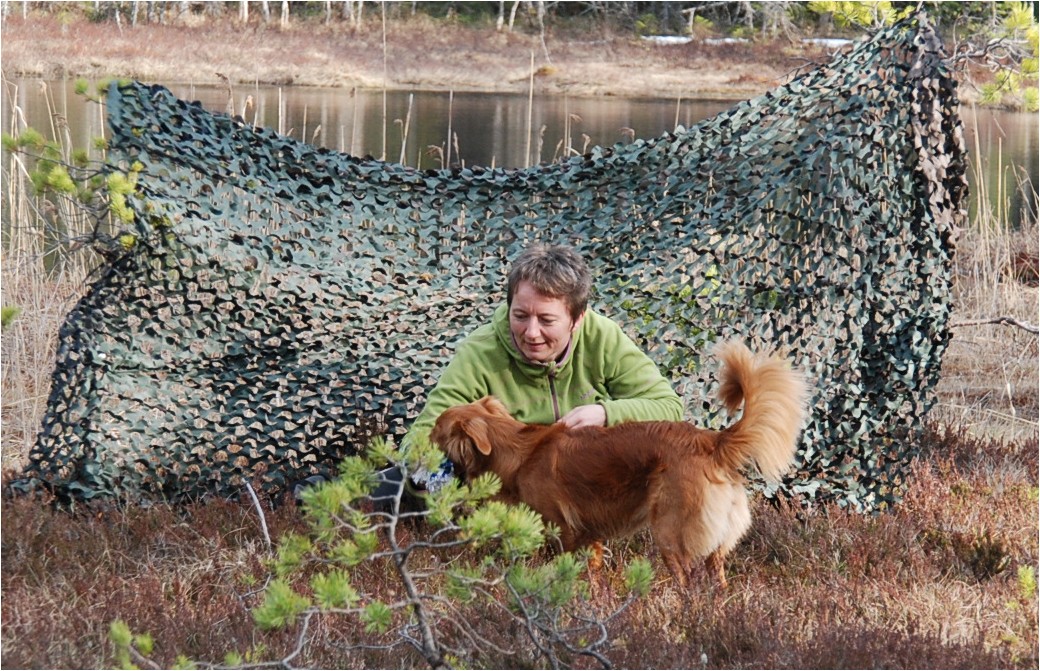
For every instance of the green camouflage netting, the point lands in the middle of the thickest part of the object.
(278, 302)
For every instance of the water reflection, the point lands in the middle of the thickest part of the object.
(502, 130)
(431, 129)
(1004, 148)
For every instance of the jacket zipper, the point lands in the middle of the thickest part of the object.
(552, 391)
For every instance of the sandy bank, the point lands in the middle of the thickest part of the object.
(419, 55)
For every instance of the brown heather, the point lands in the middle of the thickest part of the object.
(932, 584)
(939, 581)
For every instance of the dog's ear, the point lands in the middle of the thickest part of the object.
(477, 429)
(493, 406)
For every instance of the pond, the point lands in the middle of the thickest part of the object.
(505, 130)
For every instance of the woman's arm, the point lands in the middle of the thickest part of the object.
(461, 382)
(638, 390)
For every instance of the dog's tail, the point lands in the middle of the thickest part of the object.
(774, 397)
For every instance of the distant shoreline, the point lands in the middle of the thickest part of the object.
(420, 56)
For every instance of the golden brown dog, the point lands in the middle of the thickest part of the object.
(683, 482)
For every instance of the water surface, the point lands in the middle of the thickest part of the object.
(431, 129)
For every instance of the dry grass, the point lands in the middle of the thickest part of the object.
(990, 374)
(28, 355)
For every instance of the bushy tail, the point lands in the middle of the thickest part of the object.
(774, 397)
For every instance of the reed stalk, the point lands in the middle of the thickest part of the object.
(451, 104)
(382, 155)
(404, 131)
(354, 123)
(566, 126)
(530, 114)
(281, 112)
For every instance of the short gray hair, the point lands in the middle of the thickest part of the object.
(555, 271)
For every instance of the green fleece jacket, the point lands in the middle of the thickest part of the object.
(602, 365)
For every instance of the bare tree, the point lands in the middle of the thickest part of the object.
(352, 12)
(776, 20)
(501, 21)
(512, 14)
(749, 16)
(540, 14)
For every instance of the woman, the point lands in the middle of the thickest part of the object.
(549, 358)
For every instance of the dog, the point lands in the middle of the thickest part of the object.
(681, 481)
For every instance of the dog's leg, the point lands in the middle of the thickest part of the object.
(715, 565)
(673, 560)
(595, 565)
(668, 515)
(596, 556)
(737, 521)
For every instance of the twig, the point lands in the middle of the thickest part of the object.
(141, 659)
(965, 409)
(260, 512)
(229, 109)
(301, 641)
(1003, 321)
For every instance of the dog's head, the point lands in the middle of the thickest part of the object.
(463, 434)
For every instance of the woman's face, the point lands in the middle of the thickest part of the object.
(541, 325)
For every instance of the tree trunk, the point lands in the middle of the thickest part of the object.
(512, 14)
(352, 12)
(541, 29)
(749, 17)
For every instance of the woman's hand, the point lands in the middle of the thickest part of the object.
(585, 415)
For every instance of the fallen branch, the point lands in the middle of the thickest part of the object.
(260, 512)
(1003, 321)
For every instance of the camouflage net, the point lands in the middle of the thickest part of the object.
(277, 303)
